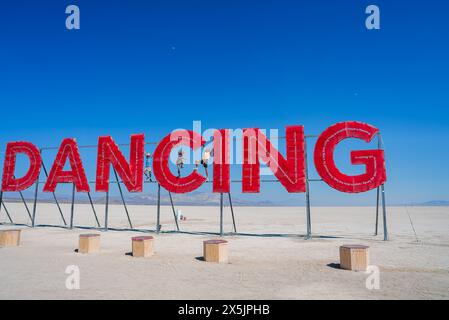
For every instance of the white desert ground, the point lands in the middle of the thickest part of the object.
(414, 264)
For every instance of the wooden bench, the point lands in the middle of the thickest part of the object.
(354, 257)
(89, 243)
(215, 251)
(142, 246)
(10, 238)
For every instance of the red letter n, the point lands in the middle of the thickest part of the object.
(290, 172)
(131, 173)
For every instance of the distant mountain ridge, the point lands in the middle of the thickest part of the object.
(190, 199)
(195, 198)
(433, 203)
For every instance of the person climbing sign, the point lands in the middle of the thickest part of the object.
(147, 170)
(180, 162)
(205, 160)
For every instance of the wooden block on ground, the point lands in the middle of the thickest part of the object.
(354, 257)
(10, 238)
(142, 246)
(89, 243)
(215, 251)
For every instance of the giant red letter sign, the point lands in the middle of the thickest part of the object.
(222, 181)
(77, 176)
(161, 167)
(109, 153)
(10, 183)
(290, 172)
(373, 159)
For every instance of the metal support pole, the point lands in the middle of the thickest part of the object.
(93, 209)
(1, 201)
(106, 210)
(3, 204)
(158, 218)
(377, 211)
(309, 224)
(25, 204)
(173, 208)
(72, 208)
(36, 189)
(382, 190)
(54, 197)
(59, 208)
(7, 213)
(384, 208)
(379, 146)
(123, 199)
(232, 212)
(221, 214)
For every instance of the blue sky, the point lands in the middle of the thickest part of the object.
(153, 66)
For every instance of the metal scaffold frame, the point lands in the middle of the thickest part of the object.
(380, 201)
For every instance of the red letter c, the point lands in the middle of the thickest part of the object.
(161, 167)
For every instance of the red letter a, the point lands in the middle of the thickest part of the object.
(77, 176)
